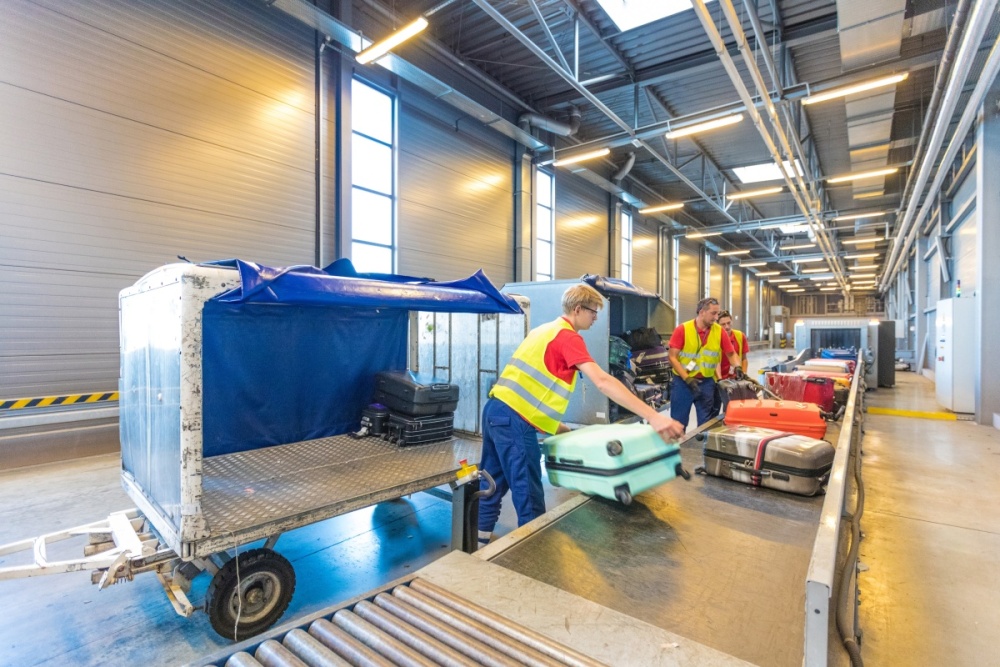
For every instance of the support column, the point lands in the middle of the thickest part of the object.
(987, 381)
(345, 75)
(524, 215)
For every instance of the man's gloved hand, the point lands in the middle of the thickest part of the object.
(692, 382)
(739, 374)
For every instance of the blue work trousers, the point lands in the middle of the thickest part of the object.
(511, 455)
(681, 398)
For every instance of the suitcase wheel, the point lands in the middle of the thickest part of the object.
(615, 448)
(623, 494)
(681, 472)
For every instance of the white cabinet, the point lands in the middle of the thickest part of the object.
(954, 371)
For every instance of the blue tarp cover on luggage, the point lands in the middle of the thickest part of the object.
(291, 353)
(606, 286)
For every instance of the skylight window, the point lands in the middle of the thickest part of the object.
(759, 173)
(628, 14)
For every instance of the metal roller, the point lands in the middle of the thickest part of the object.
(345, 645)
(529, 637)
(484, 655)
(476, 630)
(273, 654)
(436, 650)
(376, 639)
(242, 659)
(311, 650)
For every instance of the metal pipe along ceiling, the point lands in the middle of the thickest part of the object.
(973, 36)
(720, 48)
(986, 77)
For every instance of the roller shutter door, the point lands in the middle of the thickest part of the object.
(581, 228)
(689, 280)
(134, 132)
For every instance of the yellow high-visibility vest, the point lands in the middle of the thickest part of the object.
(738, 335)
(706, 357)
(528, 387)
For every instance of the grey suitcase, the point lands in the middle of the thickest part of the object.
(764, 457)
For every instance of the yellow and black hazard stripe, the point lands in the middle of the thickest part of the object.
(49, 401)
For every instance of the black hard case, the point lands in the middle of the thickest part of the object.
(415, 394)
(406, 430)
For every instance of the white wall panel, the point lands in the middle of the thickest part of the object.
(134, 132)
(581, 227)
(456, 207)
(645, 253)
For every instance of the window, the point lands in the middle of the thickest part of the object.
(675, 262)
(544, 226)
(626, 246)
(707, 278)
(373, 179)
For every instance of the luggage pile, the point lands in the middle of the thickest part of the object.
(640, 362)
(410, 408)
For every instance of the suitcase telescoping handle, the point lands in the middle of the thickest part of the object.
(439, 388)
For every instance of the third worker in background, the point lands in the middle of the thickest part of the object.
(696, 349)
(727, 371)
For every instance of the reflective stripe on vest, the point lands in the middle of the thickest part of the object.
(528, 387)
(707, 358)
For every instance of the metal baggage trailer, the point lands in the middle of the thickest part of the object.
(205, 481)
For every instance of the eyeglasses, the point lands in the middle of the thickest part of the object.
(590, 309)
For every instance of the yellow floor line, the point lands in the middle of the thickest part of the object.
(919, 414)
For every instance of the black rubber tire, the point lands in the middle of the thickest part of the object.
(623, 495)
(615, 448)
(267, 581)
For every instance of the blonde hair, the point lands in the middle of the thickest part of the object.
(581, 295)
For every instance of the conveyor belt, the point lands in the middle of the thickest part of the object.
(712, 560)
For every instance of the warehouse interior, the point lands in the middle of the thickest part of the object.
(813, 165)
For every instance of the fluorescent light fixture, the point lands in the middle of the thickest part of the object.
(807, 260)
(749, 264)
(379, 49)
(824, 270)
(856, 88)
(827, 289)
(701, 235)
(863, 175)
(858, 272)
(768, 171)
(778, 280)
(859, 216)
(755, 193)
(768, 273)
(730, 253)
(632, 14)
(704, 127)
(790, 230)
(869, 239)
(660, 209)
(573, 159)
(800, 246)
(864, 255)
(787, 287)
(820, 279)
(797, 289)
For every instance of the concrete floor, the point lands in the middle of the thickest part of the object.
(931, 552)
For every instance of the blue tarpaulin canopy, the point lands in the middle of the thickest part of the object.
(340, 285)
(291, 354)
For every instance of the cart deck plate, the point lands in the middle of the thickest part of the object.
(253, 494)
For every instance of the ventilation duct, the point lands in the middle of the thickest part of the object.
(529, 120)
(624, 170)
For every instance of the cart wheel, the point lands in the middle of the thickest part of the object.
(623, 495)
(266, 583)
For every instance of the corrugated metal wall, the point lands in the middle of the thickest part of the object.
(645, 253)
(455, 195)
(736, 291)
(717, 271)
(133, 132)
(581, 227)
(753, 321)
(689, 280)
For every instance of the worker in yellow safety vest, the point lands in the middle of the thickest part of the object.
(726, 371)
(696, 348)
(530, 397)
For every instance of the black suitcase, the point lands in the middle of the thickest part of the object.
(374, 419)
(651, 394)
(652, 363)
(415, 393)
(737, 390)
(406, 430)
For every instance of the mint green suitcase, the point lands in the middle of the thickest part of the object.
(615, 461)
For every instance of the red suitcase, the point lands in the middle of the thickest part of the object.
(792, 387)
(787, 416)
